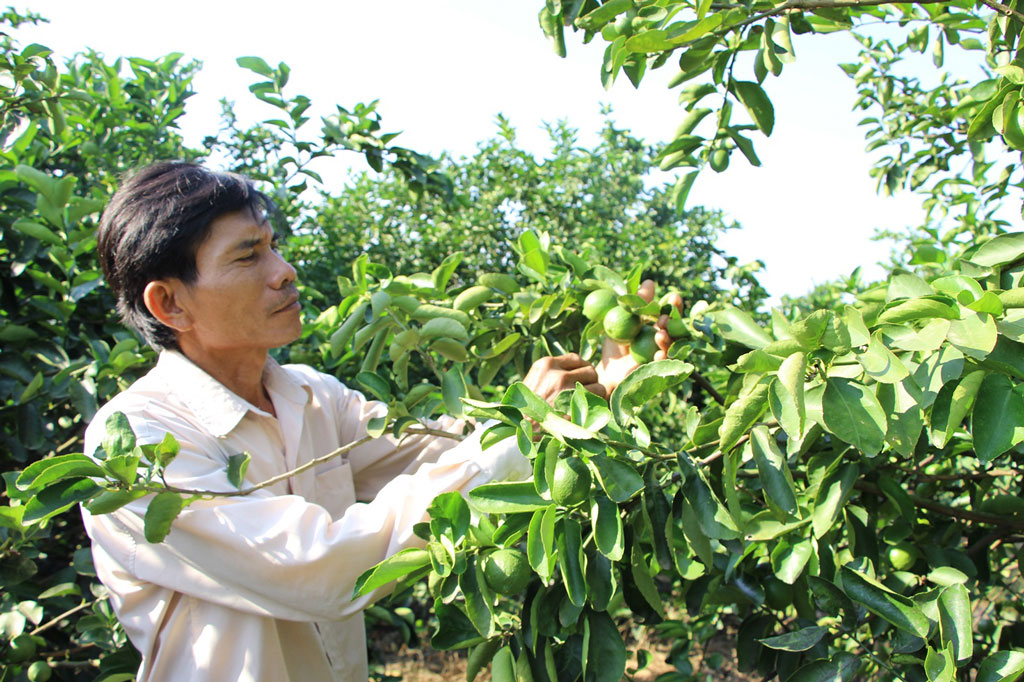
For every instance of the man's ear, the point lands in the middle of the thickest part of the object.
(162, 301)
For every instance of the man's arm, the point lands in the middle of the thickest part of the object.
(272, 554)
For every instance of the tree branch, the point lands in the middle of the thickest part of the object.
(952, 512)
(1003, 9)
(415, 431)
(825, 4)
(69, 612)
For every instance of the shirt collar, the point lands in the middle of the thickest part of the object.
(214, 405)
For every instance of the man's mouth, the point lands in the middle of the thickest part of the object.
(291, 304)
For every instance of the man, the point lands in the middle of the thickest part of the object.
(258, 587)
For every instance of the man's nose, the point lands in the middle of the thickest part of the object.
(284, 272)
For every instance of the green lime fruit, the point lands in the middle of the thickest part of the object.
(507, 571)
(719, 160)
(597, 303)
(903, 555)
(643, 347)
(777, 594)
(22, 648)
(676, 328)
(571, 482)
(621, 325)
(39, 671)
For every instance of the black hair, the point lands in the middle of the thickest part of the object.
(153, 227)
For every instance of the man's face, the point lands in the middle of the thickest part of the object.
(244, 297)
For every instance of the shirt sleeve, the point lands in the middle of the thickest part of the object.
(378, 462)
(280, 555)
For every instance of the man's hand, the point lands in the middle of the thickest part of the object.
(616, 362)
(551, 375)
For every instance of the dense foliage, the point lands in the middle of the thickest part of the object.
(70, 129)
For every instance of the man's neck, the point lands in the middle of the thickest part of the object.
(240, 371)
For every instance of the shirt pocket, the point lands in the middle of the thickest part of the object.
(335, 489)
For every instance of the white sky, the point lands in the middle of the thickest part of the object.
(443, 69)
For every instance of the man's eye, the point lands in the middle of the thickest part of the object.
(250, 257)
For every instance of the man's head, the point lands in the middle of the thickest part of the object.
(153, 227)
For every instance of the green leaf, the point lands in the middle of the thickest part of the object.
(954, 402)
(975, 334)
(742, 414)
(453, 390)
(237, 466)
(122, 468)
(540, 542)
(376, 385)
(58, 498)
(832, 495)
(606, 655)
(619, 479)
(43, 472)
(112, 500)
(1002, 666)
(757, 104)
(394, 567)
(569, 539)
(642, 580)
(642, 384)
(445, 327)
(160, 514)
(955, 622)
(454, 629)
(773, 472)
(884, 603)
(926, 307)
(442, 274)
(164, 452)
(711, 515)
(35, 230)
(790, 558)
(256, 65)
(880, 363)
(798, 640)
(119, 438)
(507, 498)
(851, 412)
(997, 420)
(738, 326)
(503, 666)
(842, 667)
(608, 533)
(938, 665)
(1001, 250)
(478, 606)
(788, 394)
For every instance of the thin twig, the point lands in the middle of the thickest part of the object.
(70, 612)
(422, 430)
(962, 514)
(707, 387)
(1003, 9)
(821, 4)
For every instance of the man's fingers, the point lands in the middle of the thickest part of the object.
(675, 299)
(646, 290)
(662, 338)
(661, 355)
(584, 375)
(568, 361)
(597, 389)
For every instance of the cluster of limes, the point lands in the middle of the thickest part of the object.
(622, 325)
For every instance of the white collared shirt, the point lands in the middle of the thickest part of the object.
(260, 587)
